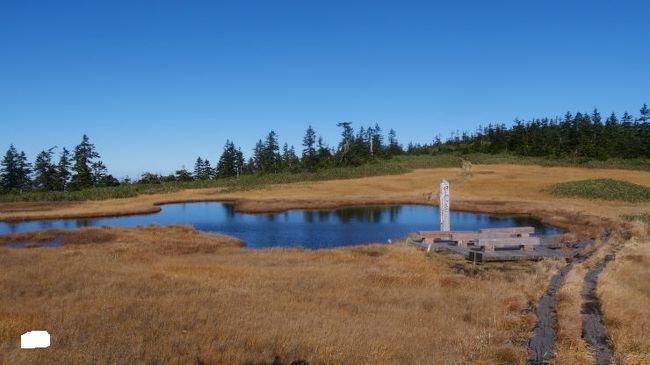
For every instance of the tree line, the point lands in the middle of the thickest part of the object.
(78, 170)
(580, 136)
(355, 148)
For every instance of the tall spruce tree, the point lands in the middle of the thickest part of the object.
(240, 163)
(84, 156)
(45, 171)
(24, 173)
(376, 140)
(100, 173)
(394, 148)
(644, 113)
(207, 171)
(345, 153)
(9, 170)
(290, 161)
(309, 153)
(271, 153)
(198, 168)
(63, 170)
(229, 164)
(324, 153)
(258, 157)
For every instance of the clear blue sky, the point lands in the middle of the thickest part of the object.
(157, 83)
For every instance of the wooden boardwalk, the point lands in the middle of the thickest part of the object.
(472, 254)
(496, 244)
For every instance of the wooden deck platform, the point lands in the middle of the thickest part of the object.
(541, 251)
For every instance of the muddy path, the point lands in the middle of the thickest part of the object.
(594, 331)
(541, 348)
(542, 344)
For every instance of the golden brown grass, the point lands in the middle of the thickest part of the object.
(172, 295)
(624, 288)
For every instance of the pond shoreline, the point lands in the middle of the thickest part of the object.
(309, 228)
(566, 220)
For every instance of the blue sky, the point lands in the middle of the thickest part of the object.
(157, 83)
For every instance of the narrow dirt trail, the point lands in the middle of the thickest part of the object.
(542, 343)
(541, 348)
(593, 327)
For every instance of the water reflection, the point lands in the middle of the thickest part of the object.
(307, 228)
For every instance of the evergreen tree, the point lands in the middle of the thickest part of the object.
(198, 169)
(183, 175)
(240, 163)
(644, 113)
(394, 148)
(84, 155)
(270, 153)
(63, 170)
(250, 166)
(376, 140)
(100, 174)
(229, 164)
(290, 160)
(626, 118)
(24, 172)
(9, 170)
(150, 178)
(611, 134)
(207, 171)
(45, 171)
(309, 153)
(324, 153)
(345, 153)
(258, 157)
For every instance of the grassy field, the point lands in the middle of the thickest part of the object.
(396, 165)
(203, 299)
(625, 291)
(607, 189)
(171, 295)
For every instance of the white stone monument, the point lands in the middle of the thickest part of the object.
(445, 225)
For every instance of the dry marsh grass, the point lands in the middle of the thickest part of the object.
(172, 295)
(624, 289)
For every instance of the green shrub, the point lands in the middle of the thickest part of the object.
(608, 189)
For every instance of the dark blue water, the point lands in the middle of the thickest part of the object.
(311, 229)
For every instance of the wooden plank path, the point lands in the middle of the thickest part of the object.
(491, 244)
(539, 253)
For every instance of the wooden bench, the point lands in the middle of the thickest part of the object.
(491, 244)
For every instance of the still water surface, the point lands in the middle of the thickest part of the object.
(307, 228)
